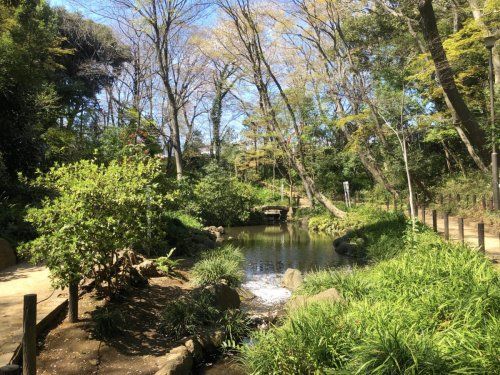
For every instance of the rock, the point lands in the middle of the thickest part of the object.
(347, 249)
(340, 240)
(179, 361)
(7, 254)
(211, 340)
(331, 295)
(225, 297)
(292, 279)
(194, 347)
(136, 279)
(217, 232)
(245, 294)
(147, 268)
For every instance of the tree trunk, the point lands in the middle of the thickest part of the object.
(478, 17)
(176, 145)
(445, 77)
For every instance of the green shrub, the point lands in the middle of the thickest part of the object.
(166, 264)
(434, 307)
(218, 265)
(185, 316)
(222, 199)
(191, 314)
(94, 211)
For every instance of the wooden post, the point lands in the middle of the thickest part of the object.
(29, 335)
(10, 370)
(446, 226)
(458, 198)
(73, 302)
(461, 235)
(480, 237)
(474, 200)
(434, 221)
(423, 214)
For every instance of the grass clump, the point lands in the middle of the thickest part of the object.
(185, 316)
(191, 314)
(223, 264)
(433, 307)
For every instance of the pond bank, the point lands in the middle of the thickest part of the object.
(420, 305)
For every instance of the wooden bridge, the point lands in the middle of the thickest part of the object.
(274, 213)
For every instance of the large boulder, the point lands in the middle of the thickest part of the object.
(331, 295)
(292, 279)
(225, 297)
(7, 254)
(179, 361)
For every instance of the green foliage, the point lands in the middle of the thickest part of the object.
(187, 315)
(166, 264)
(192, 314)
(377, 233)
(95, 211)
(433, 308)
(222, 264)
(221, 199)
(237, 326)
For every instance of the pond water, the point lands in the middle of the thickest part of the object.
(270, 250)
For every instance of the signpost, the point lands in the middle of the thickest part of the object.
(347, 195)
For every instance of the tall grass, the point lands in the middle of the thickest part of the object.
(433, 307)
(218, 265)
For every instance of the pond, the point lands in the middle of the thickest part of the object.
(270, 250)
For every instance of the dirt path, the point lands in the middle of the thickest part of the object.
(491, 240)
(135, 348)
(15, 282)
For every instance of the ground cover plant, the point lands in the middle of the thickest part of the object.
(223, 264)
(376, 233)
(432, 308)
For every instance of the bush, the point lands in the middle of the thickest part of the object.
(223, 200)
(94, 211)
(166, 264)
(218, 265)
(433, 308)
(184, 316)
(191, 314)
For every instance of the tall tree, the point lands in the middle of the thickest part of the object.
(446, 79)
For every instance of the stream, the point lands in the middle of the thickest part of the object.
(270, 250)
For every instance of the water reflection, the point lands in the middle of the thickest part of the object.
(270, 250)
(273, 249)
